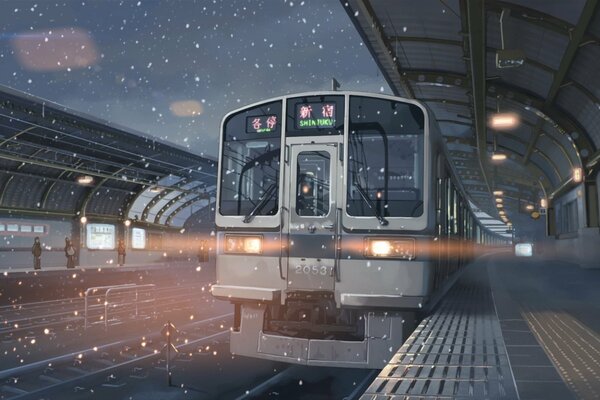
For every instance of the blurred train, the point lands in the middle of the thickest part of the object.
(339, 218)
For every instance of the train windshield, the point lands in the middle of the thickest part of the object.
(250, 162)
(385, 159)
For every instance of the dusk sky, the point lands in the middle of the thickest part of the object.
(173, 69)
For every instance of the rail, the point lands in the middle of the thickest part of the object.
(106, 291)
(136, 289)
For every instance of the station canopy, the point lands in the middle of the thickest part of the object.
(518, 79)
(57, 162)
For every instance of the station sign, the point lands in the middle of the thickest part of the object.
(138, 238)
(100, 236)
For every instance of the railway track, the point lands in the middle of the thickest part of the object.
(33, 380)
(47, 314)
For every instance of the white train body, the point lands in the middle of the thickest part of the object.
(338, 218)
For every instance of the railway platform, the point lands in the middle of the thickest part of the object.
(509, 329)
(21, 285)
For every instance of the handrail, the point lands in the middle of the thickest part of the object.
(282, 221)
(337, 243)
(124, 288)
(96, 288)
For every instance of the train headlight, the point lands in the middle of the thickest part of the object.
(243, 244)
(390, 248)
(380, 248)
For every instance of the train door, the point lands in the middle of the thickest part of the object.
(313, 214)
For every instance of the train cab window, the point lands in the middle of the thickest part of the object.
(312, 184)
(385, 158)
(251, 161)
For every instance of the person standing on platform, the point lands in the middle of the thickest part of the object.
(203, 252)
(121, 252)
(69, 253)
(36, 250)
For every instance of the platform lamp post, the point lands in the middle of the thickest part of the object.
(82, 237)
(127, 225)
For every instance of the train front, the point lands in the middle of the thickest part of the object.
(322, 204)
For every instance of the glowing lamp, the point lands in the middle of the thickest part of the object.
(85, 179)
(504, 121)
(498, 156)
(242, 244)
(381, 248)
(498, 193)
(83, 219)
(577, 175)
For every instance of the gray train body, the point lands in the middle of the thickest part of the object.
(338, 220)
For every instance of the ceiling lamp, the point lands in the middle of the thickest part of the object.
(85, 179)
(499, 205)
(529, 207)
(508, 58)
(543, 203)
(498, 156)
(499, 201)
(577, 175)
(503, 121)
(498, 193)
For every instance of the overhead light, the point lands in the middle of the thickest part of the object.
(155, 189)
(504, 121)
(529, 207)
(577, 175)
(83, 219)
(127, 222)
(509, 58)
(543, 203)
(498, 156)
(85, 179)
(499, 205)
(499, 200)
(498, 193)
(502, 212)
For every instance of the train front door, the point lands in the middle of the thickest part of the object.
(313, 205)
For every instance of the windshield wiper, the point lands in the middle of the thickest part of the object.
(261, 204)
(371, 205)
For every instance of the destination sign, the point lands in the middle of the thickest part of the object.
(261, 124)
(315, 115)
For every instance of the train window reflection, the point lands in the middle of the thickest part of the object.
(250, 162)
(312, 184)
(385, 158)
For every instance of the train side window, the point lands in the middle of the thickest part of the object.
(449, 207)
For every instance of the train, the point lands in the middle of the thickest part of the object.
(339, 220)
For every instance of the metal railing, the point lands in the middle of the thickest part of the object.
(130, 294)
